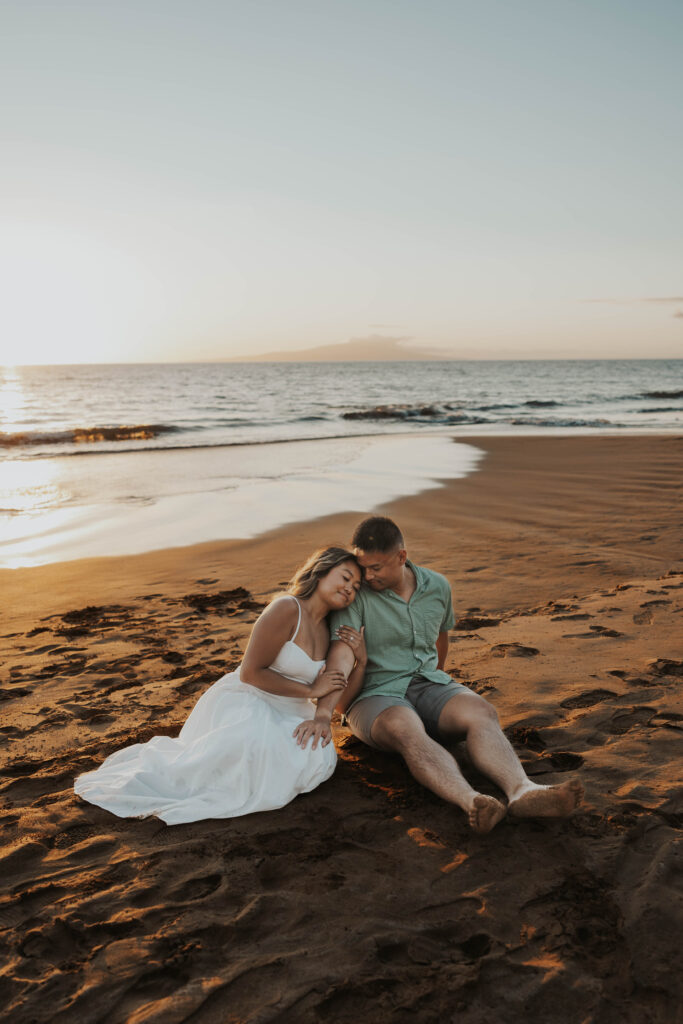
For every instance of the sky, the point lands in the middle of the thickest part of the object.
(205, 180)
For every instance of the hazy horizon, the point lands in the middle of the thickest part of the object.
(228, 181)
(260, 358)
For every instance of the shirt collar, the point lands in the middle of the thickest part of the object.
(420, 577)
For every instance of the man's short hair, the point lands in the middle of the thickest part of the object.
(377, 534)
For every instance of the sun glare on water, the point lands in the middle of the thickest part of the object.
(12, 400)
(26, 485)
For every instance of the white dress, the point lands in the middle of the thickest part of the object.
(234, 755)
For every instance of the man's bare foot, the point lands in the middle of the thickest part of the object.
(485, 812)
(548, 801)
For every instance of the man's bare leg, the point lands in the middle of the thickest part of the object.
(492, 754)
(399, 729)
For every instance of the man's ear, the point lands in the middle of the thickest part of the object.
(402, 556)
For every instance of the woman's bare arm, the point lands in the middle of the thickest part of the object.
(272, 629)
(340, 658)
(352, 689)
(355, 640)
(347, 658)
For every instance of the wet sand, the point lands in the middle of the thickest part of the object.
(368, 898)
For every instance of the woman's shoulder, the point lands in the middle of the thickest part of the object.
(282, 610)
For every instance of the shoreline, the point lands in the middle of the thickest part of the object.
(130, 506)
(564, 556)
(464, 503)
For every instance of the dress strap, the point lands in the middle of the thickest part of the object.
(299, 619)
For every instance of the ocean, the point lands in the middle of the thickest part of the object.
(114, 459)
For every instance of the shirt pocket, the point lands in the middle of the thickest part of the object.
(428, 626)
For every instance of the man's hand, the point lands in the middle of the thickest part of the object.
(442, 649)
(317, 729)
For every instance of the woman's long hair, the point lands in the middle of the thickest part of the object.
(306, 579)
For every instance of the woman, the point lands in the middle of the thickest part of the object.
(241, 750)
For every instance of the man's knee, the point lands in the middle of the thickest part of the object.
(465, 711)
(396, 727)
(485, 711)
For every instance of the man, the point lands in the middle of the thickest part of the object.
(407, 701)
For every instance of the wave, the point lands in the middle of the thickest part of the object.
(491, 408)
(86, 435)
(661, 394)
(539, 421)
(244, 443)
(392, 412)
(413, 414)
(662, 408)
(537, 403)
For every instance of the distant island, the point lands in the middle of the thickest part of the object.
(374, 348)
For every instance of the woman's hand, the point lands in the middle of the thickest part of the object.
(317, 729)
(327, 682)
(355, 640)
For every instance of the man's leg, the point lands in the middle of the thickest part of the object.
(400, 729)
(492, 754)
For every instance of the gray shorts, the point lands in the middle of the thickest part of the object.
(428, 699)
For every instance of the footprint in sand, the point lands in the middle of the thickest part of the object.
(16, 691)
(56, 942)
(22, 769)
(561, 761)
(196, 888)
(481, 685)
(568, 618)
(659, 673)
(596, 632)
(90, 714)
(591, 918)
(476, 622)
(224, 602)
(526, 736)
(588, 699)
(21, 858)
(514, 651)
(666, 667)
(630, 812)
(173, 657)
(668, 720)
(623, 722)
(74, 835)
(476, 946)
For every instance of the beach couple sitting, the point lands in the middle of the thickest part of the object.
(365, 633)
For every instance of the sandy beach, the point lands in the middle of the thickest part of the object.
(368, 898)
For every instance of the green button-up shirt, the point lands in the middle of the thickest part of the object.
(400, 636)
